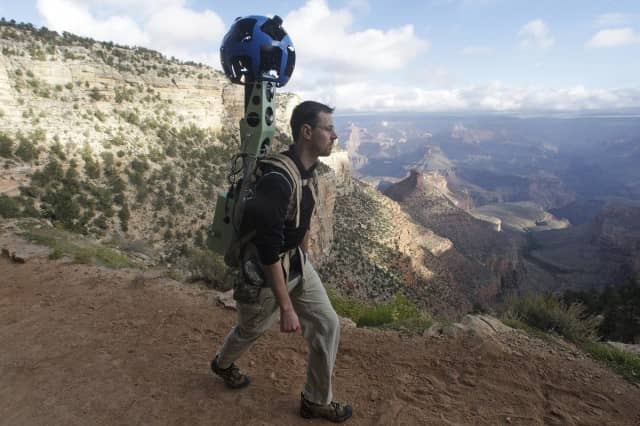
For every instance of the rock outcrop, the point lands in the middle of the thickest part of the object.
(321, 228)
(483, 262)
(146, 140)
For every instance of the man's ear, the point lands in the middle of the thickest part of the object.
(305, 131)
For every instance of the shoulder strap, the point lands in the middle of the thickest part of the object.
(287, 165)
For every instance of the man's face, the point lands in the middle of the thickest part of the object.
(323, 135)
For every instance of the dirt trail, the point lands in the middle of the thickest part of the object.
(85, 345)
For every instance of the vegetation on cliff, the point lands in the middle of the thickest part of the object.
(579, 324)
(102, 141)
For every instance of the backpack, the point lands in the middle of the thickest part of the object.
(241, 253)
(240, 247)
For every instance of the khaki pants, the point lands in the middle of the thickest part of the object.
(319, 323)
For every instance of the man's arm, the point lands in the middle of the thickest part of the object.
(289, 321)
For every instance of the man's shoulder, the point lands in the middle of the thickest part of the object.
(274, 178)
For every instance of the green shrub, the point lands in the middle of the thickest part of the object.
(91, 166)
(619, 307)
(52, 172)
(80, 249)
(27, 150)
(95, 94)
(547, 313)
(100, 222)
(123, 94)
(9, 207)
(624, 363)
(6, 145)
(209, 267)
(124, 216)
(398, 313)
(57, 150)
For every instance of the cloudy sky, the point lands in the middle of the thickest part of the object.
(418, 55)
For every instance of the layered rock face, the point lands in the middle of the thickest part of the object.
(147, 141)
(483, 262)
(321, 228)
(618, 228)
(379, 252)
(198, 94)
(334, 181)
(339, 162)
(599, 252)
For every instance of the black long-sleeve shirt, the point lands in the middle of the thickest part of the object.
(268, 211)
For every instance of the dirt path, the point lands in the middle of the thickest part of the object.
(84, 345)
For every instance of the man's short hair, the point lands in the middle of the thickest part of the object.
(306, 113)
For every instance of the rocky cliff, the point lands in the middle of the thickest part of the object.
(483, 262)
(115, 140)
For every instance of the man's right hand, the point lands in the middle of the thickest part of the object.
(289, 322)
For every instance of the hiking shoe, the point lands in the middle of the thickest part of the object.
(232, 376)
(334, 411)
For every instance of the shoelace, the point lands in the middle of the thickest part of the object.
(336, 407)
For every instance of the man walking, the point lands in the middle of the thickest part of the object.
(291, 283)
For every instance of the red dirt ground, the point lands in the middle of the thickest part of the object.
(84, 345)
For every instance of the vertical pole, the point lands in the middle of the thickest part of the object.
(256, 133)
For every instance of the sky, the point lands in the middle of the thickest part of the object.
(415, 55)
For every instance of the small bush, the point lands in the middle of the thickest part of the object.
(6, 145)
(624, 363)
(209, 267)
(95, 94)
(27, 150)
(9, 207)
(123, 94)
(548, 314)
(82, 250)
(398, 313)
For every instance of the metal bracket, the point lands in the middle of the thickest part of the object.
(256, 133)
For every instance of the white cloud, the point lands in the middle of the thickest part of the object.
(68, 15)
(535, 34)
(357, 96)
(340, 50)
(611, 19)
(165, 25)
(176, 25)
(477, 50)
(361, 6)
(433, 77)
(466, 3)
(131, 7)
(614, 38)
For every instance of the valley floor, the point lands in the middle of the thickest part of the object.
(86, 345)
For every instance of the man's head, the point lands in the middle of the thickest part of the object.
(312, 125)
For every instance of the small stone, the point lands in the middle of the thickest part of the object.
(373, 395)
(227, 301)
(272, 375)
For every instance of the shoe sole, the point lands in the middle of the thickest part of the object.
(305, 413)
